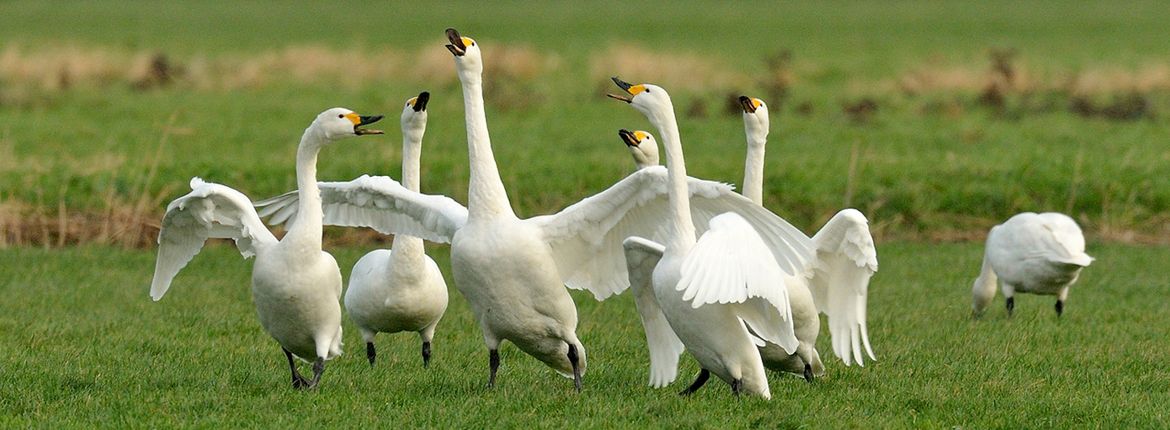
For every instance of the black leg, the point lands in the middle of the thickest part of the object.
(1011, 305)
(575, 361)
(426, 353)
(1059, 307)
(318, 369)
(699, 381)
(371, 353)
(737, 386)
(298, 381)
(493, 364)
(808, 374)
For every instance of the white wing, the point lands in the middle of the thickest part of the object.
(1065, 242)
(731, 265)
(208, 211)
(378, 202)
(586, 237)
(641, 257)
(846, 259)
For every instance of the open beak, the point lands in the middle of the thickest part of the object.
(625, 86)
(628, 137)
(456, 47)
(420, 103)
(749, 106)
(366, 120)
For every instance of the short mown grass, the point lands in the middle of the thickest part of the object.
(85, 345)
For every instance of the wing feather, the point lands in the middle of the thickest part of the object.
(846, 259)
(642, 256)
(377, 202)
(586, 237)
(731, 265)
(208, 211)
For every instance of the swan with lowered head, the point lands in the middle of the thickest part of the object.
(709, 291)
(295, 285)
(838, 282)
(400, 289)
(1031, 253)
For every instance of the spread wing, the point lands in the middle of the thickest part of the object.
(586, 238)
(208, 211)
(378, 202)
(846, 259)
(642, 256)
(731, 265)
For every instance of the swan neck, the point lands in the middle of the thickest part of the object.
(678, 192)
(753, 171)
(411, 160)
(307, 226)
(486, 196)
(984, 289)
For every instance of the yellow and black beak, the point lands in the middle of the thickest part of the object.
(632, 90)
(359, 120)
(629, 137)
(420, 102)
(458, 45)
(749, 104)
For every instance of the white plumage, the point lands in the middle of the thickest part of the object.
(837, 283)
(400, 289)
(711, 289)
(295, 285)
(1031, 253)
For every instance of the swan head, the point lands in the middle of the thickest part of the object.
(755, 119)
(465, 50)
(642, 146)
(649, 99)
(337, 123)
(414, 116)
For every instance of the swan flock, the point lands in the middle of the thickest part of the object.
(713, 272)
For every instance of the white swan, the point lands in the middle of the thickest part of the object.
(511, 270)
(642, 147)
(1031, 253)
(400, 289)
(295, 285)
(711, 290)
(838, 283)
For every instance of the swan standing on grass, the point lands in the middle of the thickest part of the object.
(295, 285)
(838, 283)
(512, 271)
(1031, 253)
(710, 291)
(400, 289)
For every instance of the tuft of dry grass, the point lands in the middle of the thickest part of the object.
(685, 71)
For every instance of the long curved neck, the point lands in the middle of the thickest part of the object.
(753, 170)
(409, 246)
(486, 196)
(307, 226)
(678, 192)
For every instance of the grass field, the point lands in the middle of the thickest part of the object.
(937, 120)
(86, 345)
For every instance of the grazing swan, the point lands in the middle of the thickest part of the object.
(838, 283)
(707, 291)
(1031, 253)
(400, 289)
(295, 285)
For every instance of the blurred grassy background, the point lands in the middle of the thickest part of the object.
(937, 120)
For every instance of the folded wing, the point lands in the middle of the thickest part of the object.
(642, 256)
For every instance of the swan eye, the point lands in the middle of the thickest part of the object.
(341, 115)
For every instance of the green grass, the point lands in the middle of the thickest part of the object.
(86, 345)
